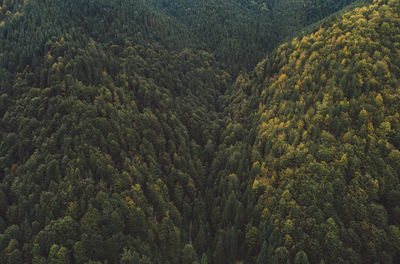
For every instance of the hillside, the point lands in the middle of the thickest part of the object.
(131, 132)
(314, 149)
(241, 32)
(91, 164)
(101, 134)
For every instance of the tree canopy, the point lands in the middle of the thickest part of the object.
(137, 131)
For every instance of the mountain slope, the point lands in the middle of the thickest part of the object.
(315, 146)
(121, 141)
(101, 135)
(240, 33)
(97, 167)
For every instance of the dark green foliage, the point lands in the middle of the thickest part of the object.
(131, 133)
(241, 32)
(98, 135)
(316, 164)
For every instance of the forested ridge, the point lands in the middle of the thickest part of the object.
(137, 131)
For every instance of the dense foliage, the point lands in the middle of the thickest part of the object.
(125, 139)
(241, 32)
(313, 152)
(97, 160)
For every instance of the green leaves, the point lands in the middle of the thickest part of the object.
(122, 140)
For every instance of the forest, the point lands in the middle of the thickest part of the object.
(205, 132)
